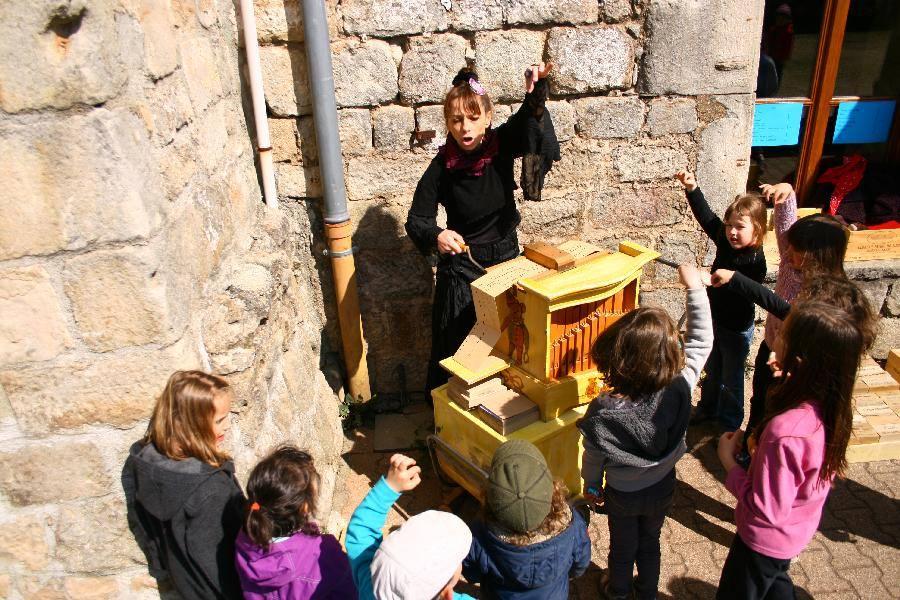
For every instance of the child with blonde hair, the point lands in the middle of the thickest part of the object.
(280, 551)
(633, 433)
(472, 178)
(184, 503)
(738, 240)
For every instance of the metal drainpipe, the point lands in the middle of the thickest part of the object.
(337, 219)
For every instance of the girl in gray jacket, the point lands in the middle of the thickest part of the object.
(633, 433)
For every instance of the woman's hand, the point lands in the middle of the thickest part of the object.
(450, 242)
(777, 193)
(535, 72)
(728, 445)
(687, 180)
(721, 277)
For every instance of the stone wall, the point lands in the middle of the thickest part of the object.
(634, 98)
(133, 242)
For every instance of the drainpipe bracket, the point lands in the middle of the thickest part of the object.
(340, 253)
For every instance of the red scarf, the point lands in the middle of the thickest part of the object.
(471, 163)
(845, 177)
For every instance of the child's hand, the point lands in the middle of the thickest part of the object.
(728, 446)
(450, 242)
(687, 179)
(690, 276)
(721, 277)
(774, 365)
(403, 474)
(777, 193)
(535, 72)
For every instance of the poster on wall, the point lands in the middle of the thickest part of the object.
(777, 124)
(863, 122)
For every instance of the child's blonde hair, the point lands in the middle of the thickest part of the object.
(751, 205)
(182, 422)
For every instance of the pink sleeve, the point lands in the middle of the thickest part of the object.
(785, 216)
(769, 488)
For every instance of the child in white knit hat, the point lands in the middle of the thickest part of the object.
(420, 561)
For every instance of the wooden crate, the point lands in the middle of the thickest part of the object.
(876, 414)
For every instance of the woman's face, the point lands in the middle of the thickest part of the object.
(467, 129)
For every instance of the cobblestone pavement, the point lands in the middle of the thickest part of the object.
(855, 553)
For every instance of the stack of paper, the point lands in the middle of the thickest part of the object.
(470, 396)
(507, 412)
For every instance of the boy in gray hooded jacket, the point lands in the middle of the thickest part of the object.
(634, 431)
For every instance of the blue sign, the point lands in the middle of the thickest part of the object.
(863, 122)
(777, 124)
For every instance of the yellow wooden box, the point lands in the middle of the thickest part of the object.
(558, 440)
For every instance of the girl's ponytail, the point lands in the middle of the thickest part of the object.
(282, 493)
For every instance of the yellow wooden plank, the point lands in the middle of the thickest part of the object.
(870, 452)
(893, 364)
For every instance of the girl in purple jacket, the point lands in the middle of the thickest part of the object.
(802, 447)
(280, 551)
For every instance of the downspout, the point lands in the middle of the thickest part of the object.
(263, 141)
(337, 218)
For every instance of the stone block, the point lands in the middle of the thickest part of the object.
(385, 176)
(211, 137)
(91, 588)
(286, 80)
(726, 63)
(589, 59)
(160, 48)
(309, 144)
(876, 293)
(672, 115)
(64, 191)
(94, 536)
(476, 15)
(282, 20)
(614, 11)
(168, 108)
(609, 117)
(114, 389)
(554, 221)
(23, 541)
(671, 299)
(365, 73)
(121, 298)
(379, 224)
(429, 65)
(285, 147)
(386, 276)
(723, 150)
(389, 18)
(583, 165)
(393, 127)
(502, 113)
(431, 118)
(570, 12)
(646, 163)
(298, 181)
(40, 473)
(201, 72)
(564, 119)
(59, 55)
(355, 131)
(892, 302)
(638, 206)
(33, 327)
(501, 58)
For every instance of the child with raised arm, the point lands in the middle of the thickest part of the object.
(634, 432)
(738, 240)
(184, 504)
(420, 561)
(802, 447)
(472, 178)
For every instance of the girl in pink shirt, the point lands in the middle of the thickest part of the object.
(802, 446)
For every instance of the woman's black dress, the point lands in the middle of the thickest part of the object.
(477, 193)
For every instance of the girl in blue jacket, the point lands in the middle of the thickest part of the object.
(531, 542)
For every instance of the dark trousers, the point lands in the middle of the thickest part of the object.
(749, 575)
(722, 394)
(635, 522)
(762, 380)
(453, 311)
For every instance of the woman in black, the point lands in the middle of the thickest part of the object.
(472, 177)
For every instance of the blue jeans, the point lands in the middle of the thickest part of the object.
(722, 394)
